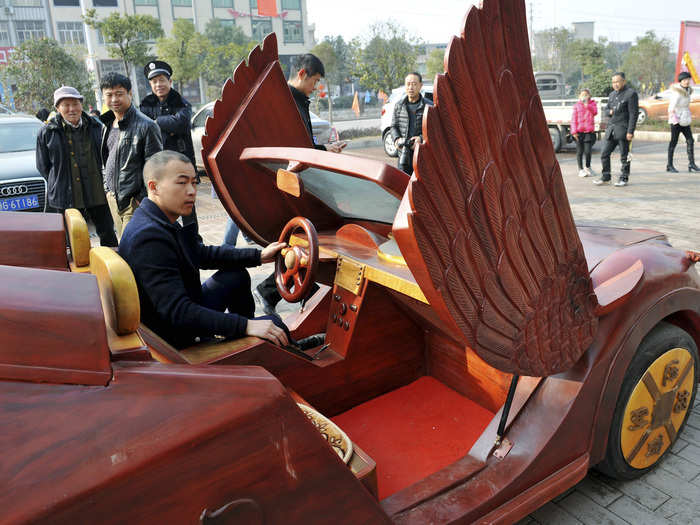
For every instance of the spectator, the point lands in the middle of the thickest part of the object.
(583, 130)
(128, 140)
(679, 118)
(95, 113)
(623, 107)
(307, 73)
(407, 121)
(68, 157)
(172, 112)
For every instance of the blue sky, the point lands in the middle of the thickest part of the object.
(436, 20)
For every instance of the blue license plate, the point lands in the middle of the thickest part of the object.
(25, 202)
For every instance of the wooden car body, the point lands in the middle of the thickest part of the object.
(108, 433)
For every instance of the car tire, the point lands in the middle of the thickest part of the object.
(641, 116)
(656, 397)
(555, 135)
(389, 147)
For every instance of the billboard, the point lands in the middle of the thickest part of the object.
(688, 58)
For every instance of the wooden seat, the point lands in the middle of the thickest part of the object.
(126, 335)
(78, 239)
(120, 300)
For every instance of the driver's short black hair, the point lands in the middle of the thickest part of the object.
(112, 80)
(309, 63)
(620, 74)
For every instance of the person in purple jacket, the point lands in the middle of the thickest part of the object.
(583, 130)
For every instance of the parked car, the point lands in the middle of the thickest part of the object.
(388, 112)
(324, 133)
(656, 107)
(22, 188)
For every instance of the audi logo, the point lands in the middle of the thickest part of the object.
(13, 190)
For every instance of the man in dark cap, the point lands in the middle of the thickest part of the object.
(172, 112)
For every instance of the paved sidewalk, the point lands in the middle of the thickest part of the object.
(654, 199)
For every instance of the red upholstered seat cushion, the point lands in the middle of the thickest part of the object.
(414, 431)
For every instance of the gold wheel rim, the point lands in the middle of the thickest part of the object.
(657, 408)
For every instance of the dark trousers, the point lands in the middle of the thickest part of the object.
(268, 289)
(676, 130)
(405, 162)
(608, 147)
(230, 290)
(101, 217)
(584, 144)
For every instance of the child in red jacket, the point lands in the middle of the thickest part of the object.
(583, 130)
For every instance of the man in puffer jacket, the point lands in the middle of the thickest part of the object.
(679, 118)
(407, 121)
(583, 130)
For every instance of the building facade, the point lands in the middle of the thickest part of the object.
(61, 19)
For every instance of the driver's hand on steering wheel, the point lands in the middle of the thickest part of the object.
(270, 251)
(266, 329)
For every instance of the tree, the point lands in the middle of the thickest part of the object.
(551, 50)
(38, 68)
(126, 35)
(227, 46)
(387, 56)
(185, 51)
(220, 34)
(435, 63)
(649, 61)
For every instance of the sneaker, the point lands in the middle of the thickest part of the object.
(582, 173)
(267, 307)
(601, 181)
(589, 172)
(621, 182)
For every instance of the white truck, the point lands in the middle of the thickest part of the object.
(558, 108)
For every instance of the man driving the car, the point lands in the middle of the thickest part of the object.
(166, 258)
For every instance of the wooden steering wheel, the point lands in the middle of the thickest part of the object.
(296, 266)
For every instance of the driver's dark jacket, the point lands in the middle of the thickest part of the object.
(166, 259)
(139, 138)
(173, 116)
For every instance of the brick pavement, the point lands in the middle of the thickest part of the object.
(654, 199)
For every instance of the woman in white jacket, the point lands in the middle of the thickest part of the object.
(679, 118)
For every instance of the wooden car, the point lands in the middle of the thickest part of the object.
(482, 351)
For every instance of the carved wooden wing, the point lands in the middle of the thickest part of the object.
(256, 109)
(491, 238)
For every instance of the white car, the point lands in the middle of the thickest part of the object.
(324, 133)
(388, 112)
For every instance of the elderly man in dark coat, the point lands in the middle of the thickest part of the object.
(68, 157)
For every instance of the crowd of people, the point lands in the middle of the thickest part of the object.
(622, 110)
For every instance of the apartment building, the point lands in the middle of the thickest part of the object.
(61, 19)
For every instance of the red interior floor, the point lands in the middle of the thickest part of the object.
(414, 431)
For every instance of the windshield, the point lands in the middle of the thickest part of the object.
(18, 137)
(349, 197)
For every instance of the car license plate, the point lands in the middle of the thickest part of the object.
(19, 203)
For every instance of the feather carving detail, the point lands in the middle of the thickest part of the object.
(488, 206)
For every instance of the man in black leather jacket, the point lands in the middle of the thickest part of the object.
(128, 140)
(407, 121)
(623, 107)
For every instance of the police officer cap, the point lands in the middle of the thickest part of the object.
(157, 67)
(683, 75)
